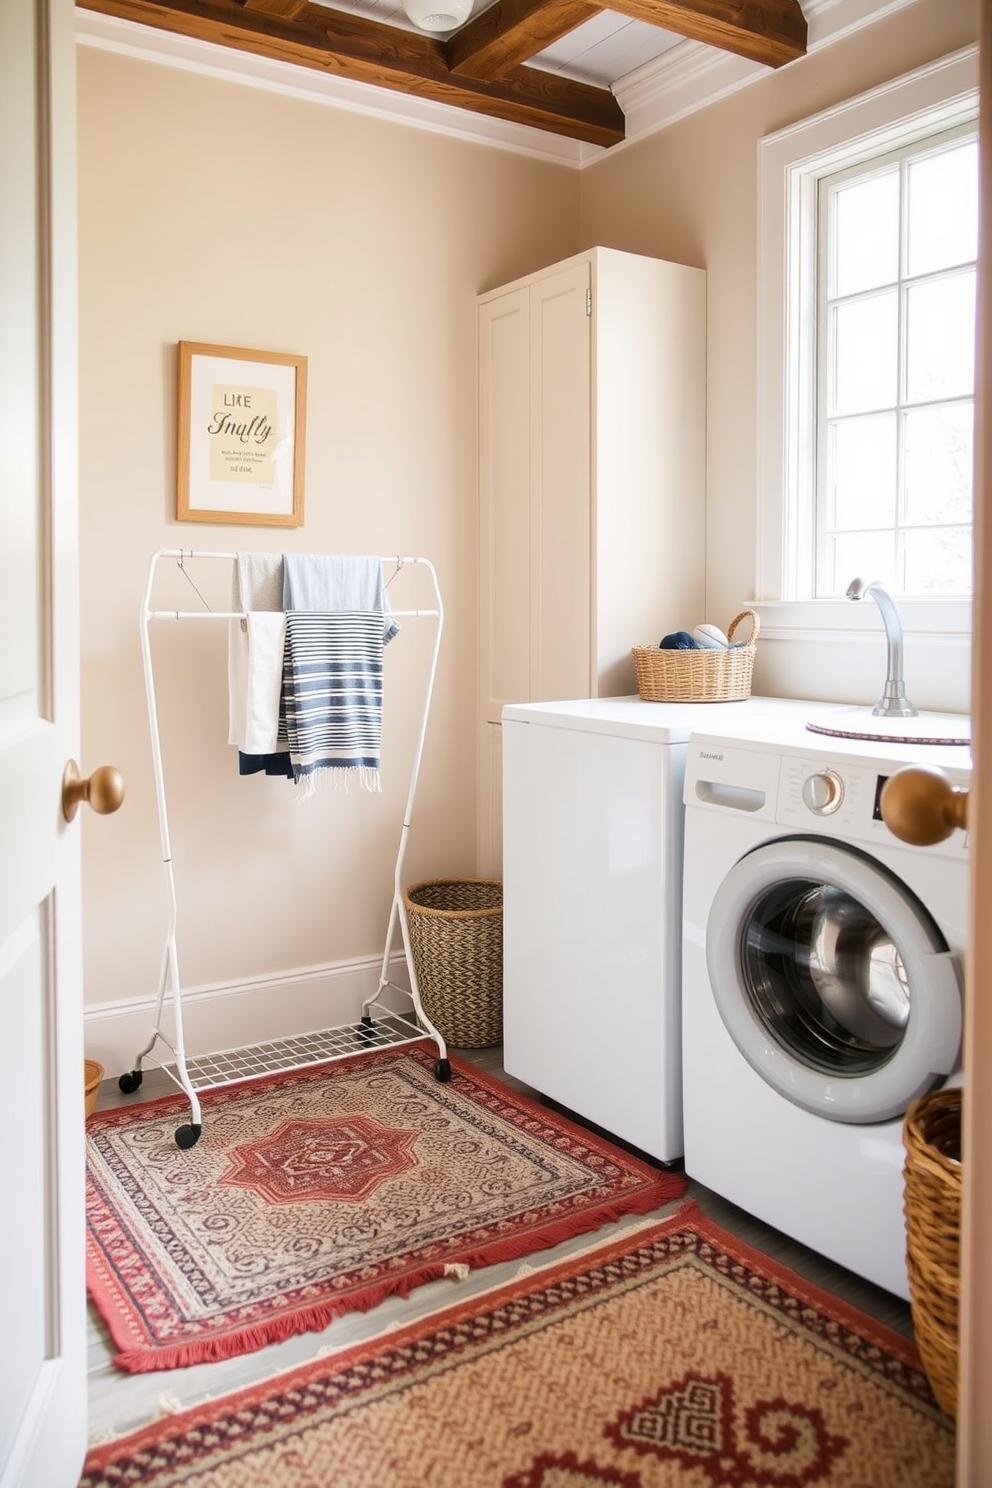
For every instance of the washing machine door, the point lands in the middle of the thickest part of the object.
(833, 980)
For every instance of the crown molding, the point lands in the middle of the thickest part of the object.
(690, 75)
(148, 44)
(679, 83)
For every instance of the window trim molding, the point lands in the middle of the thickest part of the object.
(790, 163)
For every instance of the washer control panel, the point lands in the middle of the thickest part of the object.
(843, 796)
(827, 791)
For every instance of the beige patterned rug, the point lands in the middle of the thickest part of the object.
(326, 1190)
(673, 1356)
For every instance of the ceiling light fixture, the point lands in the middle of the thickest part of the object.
(438, 15)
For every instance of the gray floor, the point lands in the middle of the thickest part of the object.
(121, 1402)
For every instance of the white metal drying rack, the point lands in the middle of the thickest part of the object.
(380, 1025)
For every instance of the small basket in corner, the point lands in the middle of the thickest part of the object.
(710, 676)
(456, 936)
(93, 1073)
(932, 1206)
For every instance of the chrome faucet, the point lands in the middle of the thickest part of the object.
(893, 703)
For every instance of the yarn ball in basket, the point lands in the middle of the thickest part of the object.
(710, 638)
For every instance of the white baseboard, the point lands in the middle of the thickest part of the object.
(231, 1015)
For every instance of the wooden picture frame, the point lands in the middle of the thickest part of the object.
(241, 436)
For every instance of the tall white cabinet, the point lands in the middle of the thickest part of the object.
(592, 424)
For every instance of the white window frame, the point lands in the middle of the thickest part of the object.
(790, 164)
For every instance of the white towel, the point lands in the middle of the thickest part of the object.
(259, 577)
(256, 645)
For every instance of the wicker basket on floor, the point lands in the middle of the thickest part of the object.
(456, 935)
(932, 1136)
(710, 676)
(92, 1075)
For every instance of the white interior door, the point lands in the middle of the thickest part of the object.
(974, 1461)
(42, 1283)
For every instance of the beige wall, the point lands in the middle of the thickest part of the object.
(224, 213)
(690, 193)
(221, 213)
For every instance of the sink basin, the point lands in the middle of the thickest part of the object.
(925, 728)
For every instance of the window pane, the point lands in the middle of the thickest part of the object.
(938, 463)
(865, 354)
(940, 330)
(938, 561)
(861, 555)
(863, 472)
(943, 209)
(895, 368)
(867, 233)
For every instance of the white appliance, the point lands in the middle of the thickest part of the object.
(822, 985)
(592, 876)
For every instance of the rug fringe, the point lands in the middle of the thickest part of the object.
(318, 1317)
(240, 1341)
(168, 1405)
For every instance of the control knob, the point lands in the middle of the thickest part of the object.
(823, 792)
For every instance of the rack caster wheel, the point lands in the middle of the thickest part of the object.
(365, 1029)
(128, 1083)
(188, 1136)
(442, 1071)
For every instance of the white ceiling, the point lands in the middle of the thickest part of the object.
(604, 49)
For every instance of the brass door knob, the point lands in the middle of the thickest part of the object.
(103, 790)
(921, 806)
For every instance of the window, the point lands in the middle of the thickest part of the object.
(897, 249)
(866, 348)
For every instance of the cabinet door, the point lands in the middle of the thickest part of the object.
(560, 514)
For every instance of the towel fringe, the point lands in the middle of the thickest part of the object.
(337, 777)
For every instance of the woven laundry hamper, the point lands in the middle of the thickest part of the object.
(456, 935)
(932, 1137)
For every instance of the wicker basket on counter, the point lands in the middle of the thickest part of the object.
(932, 1203)
(703, 676)
(456, 935)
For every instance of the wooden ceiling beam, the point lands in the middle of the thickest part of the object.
(288, 8)
(768, 31)
(510, 31)
(342, 44)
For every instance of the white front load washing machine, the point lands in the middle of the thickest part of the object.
(822, 985)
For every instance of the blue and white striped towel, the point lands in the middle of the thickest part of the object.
(332, 677)
(338, 581)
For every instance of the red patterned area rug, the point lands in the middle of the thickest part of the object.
(324, 1190)
(673, 1356)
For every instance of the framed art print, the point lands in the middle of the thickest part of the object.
(241, 436)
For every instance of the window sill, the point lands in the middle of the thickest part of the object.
(943, 620)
